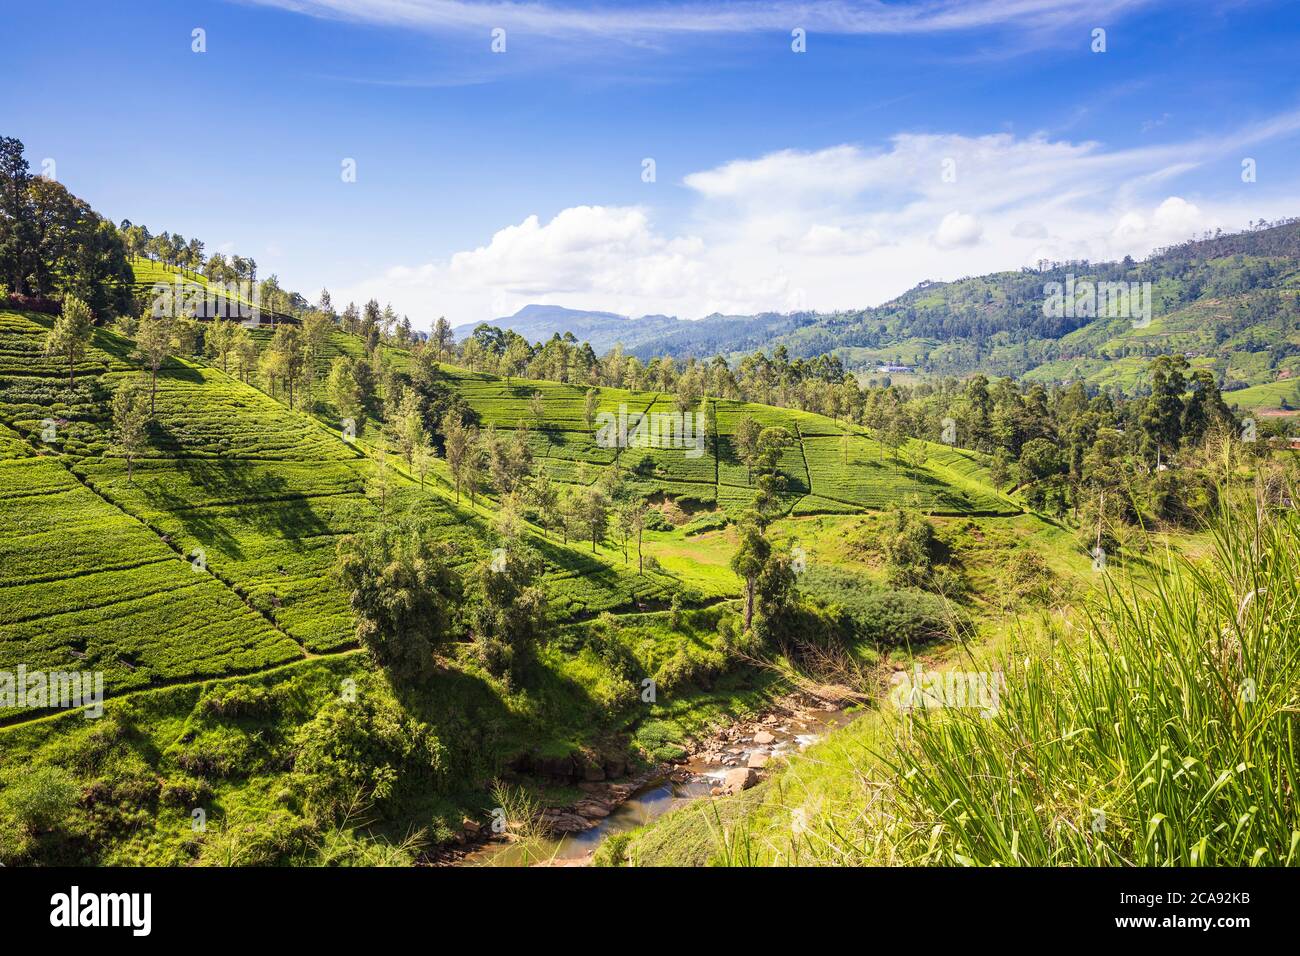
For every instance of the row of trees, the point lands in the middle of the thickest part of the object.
(53, 245)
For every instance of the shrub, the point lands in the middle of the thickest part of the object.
(38, 799)
(240, 700)
(358, 749)
(881, 616)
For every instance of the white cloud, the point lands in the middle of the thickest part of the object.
(843, 227)
(822, 240)
(1029, 230)
(958, 229)
(1032, 17)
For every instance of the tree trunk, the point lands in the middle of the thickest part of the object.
(749, 602)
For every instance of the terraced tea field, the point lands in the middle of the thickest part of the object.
(88, 587)
(215, 557)
(822, 474)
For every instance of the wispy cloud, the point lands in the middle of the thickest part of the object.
(640, 20)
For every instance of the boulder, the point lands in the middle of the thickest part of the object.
(742, 778)
(763, 737)
(592, 809)
(758, 759)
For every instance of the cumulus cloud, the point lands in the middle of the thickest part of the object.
(822, 240)
(842, 227)
(958, 229)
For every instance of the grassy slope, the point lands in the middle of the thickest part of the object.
(261, 493)
(1182, 746)
(823, 474)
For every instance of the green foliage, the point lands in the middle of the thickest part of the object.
(362, 750)
(908, 547)
(878, 616)
(507, 611)
(37, 799)
(403, 592)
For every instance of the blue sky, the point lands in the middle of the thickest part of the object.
(909, 141)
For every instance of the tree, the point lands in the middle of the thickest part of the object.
(765, 460)
(70, 334)
(1161, 417)
(509, 461)
(478, 461)
(631, 524)
(422, 459)
(220, 340)
(638, 526)
(590, 405)
(537, 409)
(153, 346)
(129, 422)
(369, 329)
(408, 425)
(545, 498)
(316, 328)
(509, 610)
(344, 392)
(457, 440)
(16, 226)
(593, 513)
(285, 359)
(515, 358)
(443, 339)
(245, 350)
(752, 553)
(908, 545)
(745, 439)
(404, 591)
(381, 481)
(1039, 459)
(1204, 408)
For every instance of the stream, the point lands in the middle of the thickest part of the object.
(698, 778)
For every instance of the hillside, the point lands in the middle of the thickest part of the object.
(647, 336)
(1229, 303)
(213, 561)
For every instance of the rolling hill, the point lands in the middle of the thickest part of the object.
(206, 575)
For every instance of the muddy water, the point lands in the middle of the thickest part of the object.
(692, 781)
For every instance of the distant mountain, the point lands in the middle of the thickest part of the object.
(723, 334)
(603, 330)
(1230, 303)
(649, 335)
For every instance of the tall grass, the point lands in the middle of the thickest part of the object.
(1166, 737)
(1162, 732)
